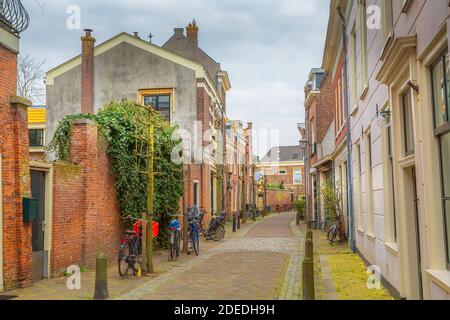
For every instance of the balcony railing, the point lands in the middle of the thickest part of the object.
(13, 15)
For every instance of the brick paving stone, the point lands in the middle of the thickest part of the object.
(261, 261)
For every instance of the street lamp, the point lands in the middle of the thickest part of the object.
(304, 145)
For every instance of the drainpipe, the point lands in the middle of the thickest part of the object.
(223, 159)
(352, 239)
(307, 171)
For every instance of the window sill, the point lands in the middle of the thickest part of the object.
(361, 231)
(364, 92)
(441, 278)
(354, 110)
(407, 161)
(392, 247)
(37, 149)
(371, 236)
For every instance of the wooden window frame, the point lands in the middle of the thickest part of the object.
(439, 133)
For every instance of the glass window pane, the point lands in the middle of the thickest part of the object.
(445, 152)
(439, 94)
(447, 227)
(408, 124)
(297, 177)
(447, 76)
(151, 101)
(36, 137)
(164, 103)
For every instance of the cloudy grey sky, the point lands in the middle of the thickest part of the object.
(267, 46)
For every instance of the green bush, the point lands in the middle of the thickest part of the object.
(300, 206)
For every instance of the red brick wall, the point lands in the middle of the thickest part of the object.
(14, 145)
(288, 180)
(66, 224)
(281, 198)
(91, 226)
(325, 110)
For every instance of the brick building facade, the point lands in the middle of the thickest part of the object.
(15, 235)
(283, 169)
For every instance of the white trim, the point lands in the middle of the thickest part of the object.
(1, 226)
(48, 169)
(440, 278)
(9, 40)
(126, 38)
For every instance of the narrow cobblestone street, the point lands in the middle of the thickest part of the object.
(263, 262)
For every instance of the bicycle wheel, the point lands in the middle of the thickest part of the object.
(219, 232)
(123, 260)
(172, 248)
(177, 243)
(332, 234)
(195, 242)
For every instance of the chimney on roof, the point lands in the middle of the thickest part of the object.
(136, 34)
(192, 32)
(87, 72)
(179, 33)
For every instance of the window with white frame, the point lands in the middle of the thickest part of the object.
(353, 68)
(369, 184)
(297, 176)
(363, 40)
(408, 123)
(440, 75)
(358, 176)
(388, 18)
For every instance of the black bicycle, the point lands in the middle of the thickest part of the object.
(216, 228)
(175, 239)
(335, 233)
(130, 254)
(193, 234)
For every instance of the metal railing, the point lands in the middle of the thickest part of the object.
(13, 15)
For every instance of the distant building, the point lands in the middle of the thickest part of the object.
(241, 191)
(283, 169)
(37, 117)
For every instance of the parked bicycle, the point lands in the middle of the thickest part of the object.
(335, 233)
(216, 228)
(175, 239)
(193, 233)
(130, 254)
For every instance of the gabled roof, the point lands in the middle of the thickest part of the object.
(284, 154)
(134, 41)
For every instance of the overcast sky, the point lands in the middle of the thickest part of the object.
(267, 46)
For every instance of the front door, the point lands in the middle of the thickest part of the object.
(38, 192)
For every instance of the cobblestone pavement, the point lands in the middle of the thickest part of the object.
(263, 262)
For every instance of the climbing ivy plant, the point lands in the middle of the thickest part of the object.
(119, 126)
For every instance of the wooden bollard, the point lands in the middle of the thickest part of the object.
(101, 278)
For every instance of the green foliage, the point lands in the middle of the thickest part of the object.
(119, 126)
(332, 200)
(300, 206)
(276, 186)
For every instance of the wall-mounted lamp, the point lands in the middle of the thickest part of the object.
(384, 117)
